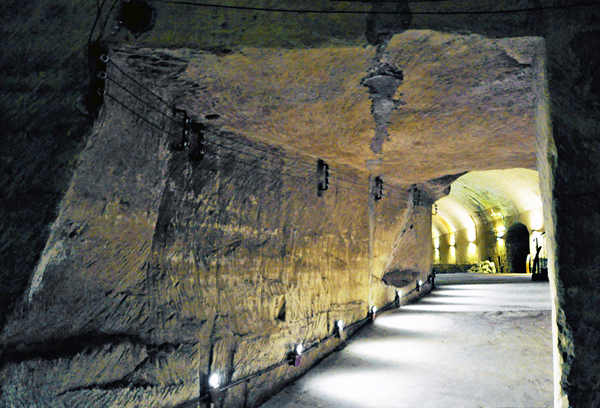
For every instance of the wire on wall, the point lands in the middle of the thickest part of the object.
(349, 182)
(358, 12)
(339, 178)
(293, 358)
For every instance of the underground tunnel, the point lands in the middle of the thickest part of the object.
(192, 189)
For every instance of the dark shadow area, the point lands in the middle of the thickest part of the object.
(517, 248)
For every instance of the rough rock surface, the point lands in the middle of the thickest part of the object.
(160, 269)
(470, 72)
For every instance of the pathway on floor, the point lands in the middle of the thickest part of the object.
(474, 342)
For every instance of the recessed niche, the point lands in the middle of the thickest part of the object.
(279, 308)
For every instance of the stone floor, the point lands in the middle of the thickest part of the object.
(475, 342)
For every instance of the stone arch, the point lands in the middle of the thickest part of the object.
(517, 248)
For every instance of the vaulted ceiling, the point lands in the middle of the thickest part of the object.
(485, 196)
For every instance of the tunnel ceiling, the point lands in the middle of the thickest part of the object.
(485, 196)
(465, 103)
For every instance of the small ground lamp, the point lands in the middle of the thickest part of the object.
(431, 279)
(294, 357)
(398, 299)
(338, 330)
(373, 313)
(214, 384)
(419, 285)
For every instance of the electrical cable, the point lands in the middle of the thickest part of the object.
(346, 180)
(393, 1)
(338, 184)
(261, 158)
(314, 345)
(269, 172)
(422, 13)
(302, 162)
(305, 169)
(287, 167)
(141, 100)
(254, 375)
(261, 169)
(98, 14)
(99, 8)
(138, 115)
(140, 85)
(304, 165)
(366, 187)
(103, 27)
(309, 164)
(237, 160)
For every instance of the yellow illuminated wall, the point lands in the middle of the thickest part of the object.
(486, 241)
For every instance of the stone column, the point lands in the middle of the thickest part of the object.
(568, 123)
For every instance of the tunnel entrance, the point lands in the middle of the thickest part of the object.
(517, 248)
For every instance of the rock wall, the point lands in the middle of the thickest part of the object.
(43, 73)
(160, 269)
(44, 96)
(570, 178)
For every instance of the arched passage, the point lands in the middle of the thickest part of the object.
(517, 247)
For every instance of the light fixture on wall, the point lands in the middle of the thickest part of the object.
(294, 357)
(322, 177)
(377, 188)
(536, 220)
(472, 251)
(471, 234)
(500, 231)
(452, 239)
(436, 242)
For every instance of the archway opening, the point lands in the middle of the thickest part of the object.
(517, 248)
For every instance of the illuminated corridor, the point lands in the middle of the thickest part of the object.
(474, 342)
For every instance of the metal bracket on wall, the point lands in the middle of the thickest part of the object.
(181, 115)
(377, 188)
(99, 57)
(322, 177)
